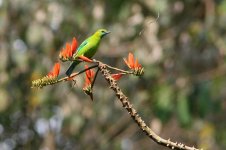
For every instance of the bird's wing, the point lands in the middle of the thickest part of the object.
(84, 44)
(87, 48)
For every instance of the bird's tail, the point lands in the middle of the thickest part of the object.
(71, 67)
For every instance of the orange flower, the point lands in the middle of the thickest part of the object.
(86, 59)
(49, 79)
(88, 82)
(55, 71)
(131, 62)
(89, 77)
(74, 45)
(117, 76)
(67, 52)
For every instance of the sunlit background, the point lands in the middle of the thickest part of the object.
(180, 43)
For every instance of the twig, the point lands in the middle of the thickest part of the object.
(94, 79)
(133, 113)
(113, 68)
(150, 22)
(120, 70)
(76, 73)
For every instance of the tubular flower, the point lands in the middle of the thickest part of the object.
(133, 64)
(86, 59)
(49, 79)
(89, 76)
(117, 76)
(55, 71)
(67, 52)
(88, 82)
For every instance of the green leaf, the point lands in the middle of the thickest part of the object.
(183, 112)
(163, 105)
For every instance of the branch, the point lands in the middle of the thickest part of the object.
(95, 77)
(120, 70)
(76, 73)
(104, 69)
(134, 115)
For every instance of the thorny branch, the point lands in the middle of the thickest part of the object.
(104, 69)
(133, 113)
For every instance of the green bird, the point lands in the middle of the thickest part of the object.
(88, 48)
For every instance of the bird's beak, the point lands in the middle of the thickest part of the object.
(107, 32)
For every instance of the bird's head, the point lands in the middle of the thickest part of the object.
(101, 33)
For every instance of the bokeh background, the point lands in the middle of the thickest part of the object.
(181, 95)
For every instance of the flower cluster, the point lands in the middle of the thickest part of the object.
(67, 52)
(88, 82)
(133, 64)
(50, 78)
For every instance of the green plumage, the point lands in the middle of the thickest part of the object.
(88, 48)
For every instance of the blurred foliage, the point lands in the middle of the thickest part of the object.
(182, 93)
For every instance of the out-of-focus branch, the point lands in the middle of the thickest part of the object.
(133, 113)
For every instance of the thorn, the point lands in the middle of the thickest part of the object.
(74, 82)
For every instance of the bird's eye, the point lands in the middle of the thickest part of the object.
(102, 31)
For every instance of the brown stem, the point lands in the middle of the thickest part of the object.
(113, 68)
(120, 70)
(134, 115)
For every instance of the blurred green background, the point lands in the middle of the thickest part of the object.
(181, 95)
